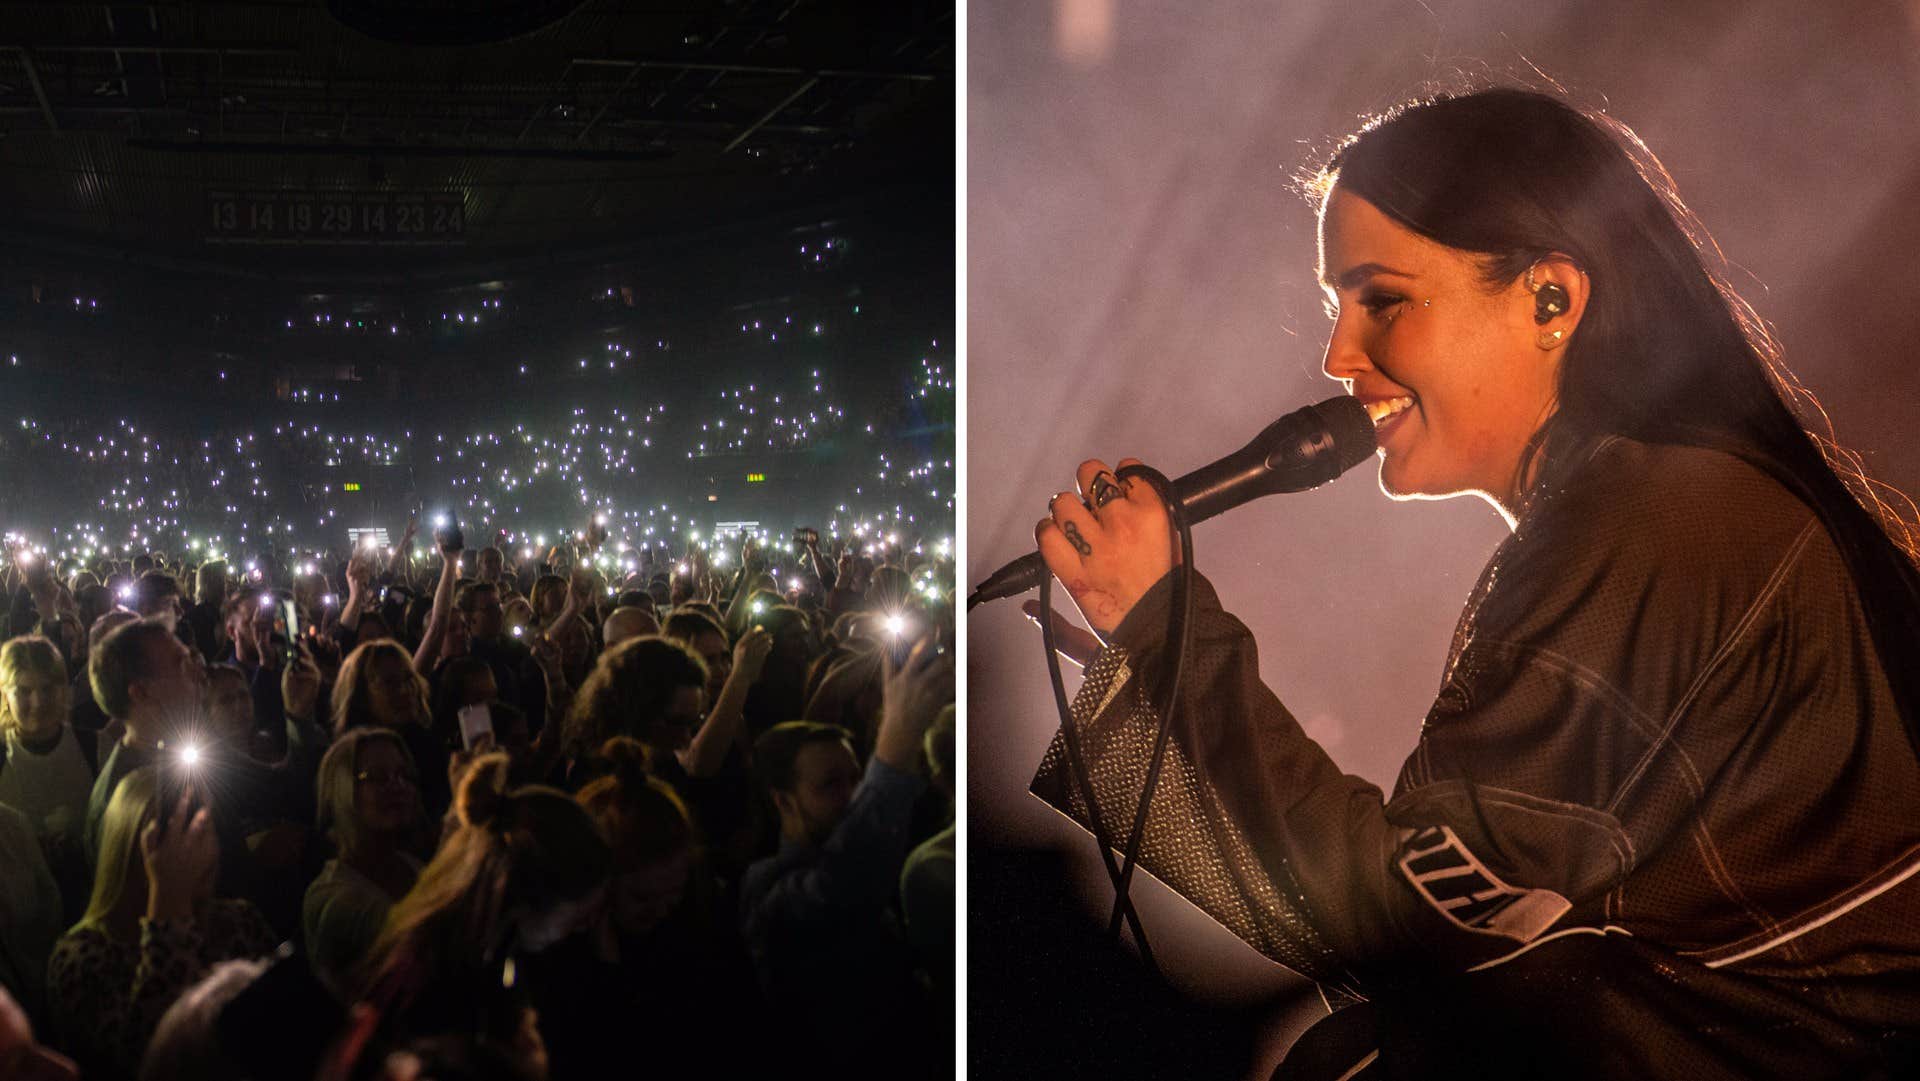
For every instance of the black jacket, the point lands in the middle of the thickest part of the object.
(1664, 769)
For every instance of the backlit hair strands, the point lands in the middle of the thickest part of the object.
(1667, 352)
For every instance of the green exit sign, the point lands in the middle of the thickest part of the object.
(756, 478)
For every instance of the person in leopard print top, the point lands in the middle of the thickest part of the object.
(152, 928)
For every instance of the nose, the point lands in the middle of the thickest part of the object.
(1346, 360)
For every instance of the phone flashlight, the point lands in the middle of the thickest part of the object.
(329, 600)
(896, 623)
(519, 631)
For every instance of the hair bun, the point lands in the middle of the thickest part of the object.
(483, 791)
(627, 760)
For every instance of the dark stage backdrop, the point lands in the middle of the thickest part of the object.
(1141, 283)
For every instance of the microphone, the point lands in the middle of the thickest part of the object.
(1302, 450)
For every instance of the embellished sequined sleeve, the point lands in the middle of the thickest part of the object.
(1244, 842)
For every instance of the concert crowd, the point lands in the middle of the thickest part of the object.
(610, 797)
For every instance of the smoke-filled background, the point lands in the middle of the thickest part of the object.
(1141, 282)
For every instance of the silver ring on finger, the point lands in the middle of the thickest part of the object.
(1106, 489)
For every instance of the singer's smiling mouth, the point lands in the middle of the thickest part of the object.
(1385, 409)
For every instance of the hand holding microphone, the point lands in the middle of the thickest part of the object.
(1302, 450)
(1108, 542)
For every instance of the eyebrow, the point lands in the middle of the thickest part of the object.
(1353, 276)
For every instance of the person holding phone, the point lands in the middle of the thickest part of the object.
(445, 634)
(148, 682)
(152, 926)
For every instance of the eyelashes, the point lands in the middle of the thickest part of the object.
(1384, 307)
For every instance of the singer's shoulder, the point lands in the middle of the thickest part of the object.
(1678, 473)
(1678, 501)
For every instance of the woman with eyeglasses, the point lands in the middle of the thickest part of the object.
(379, 687)
(370, 807)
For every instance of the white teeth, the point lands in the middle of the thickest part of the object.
(1385, 409)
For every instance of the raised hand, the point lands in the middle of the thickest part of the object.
(300, 684)
(324, 651)
(359, 574)
(912, 696)
(180, 859)
(751, 651)
(546, 654)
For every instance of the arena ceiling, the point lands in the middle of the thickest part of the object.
(222, 135)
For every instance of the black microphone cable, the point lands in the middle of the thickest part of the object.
(1302, 450)
(1179, 631)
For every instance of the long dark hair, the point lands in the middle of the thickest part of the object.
(1667, 352)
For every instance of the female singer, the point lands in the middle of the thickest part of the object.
(1661, 817)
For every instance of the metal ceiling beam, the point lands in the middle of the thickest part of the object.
(768, 116)
(39, 91)
(416, 150)
(632, 74)
(163, 50)
(723, 67)
(546, 103)
(176, 109)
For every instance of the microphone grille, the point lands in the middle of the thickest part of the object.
(1352, 430)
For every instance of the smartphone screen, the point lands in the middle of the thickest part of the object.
(475, 721)
(290, 616)
(178, 766)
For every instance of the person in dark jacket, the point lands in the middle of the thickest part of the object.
(1645, 830)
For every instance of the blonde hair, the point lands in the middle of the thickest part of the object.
(336, 783)
(132, 807)
(351, 705)
(31, 655)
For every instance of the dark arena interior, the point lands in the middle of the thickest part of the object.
(478, 481)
